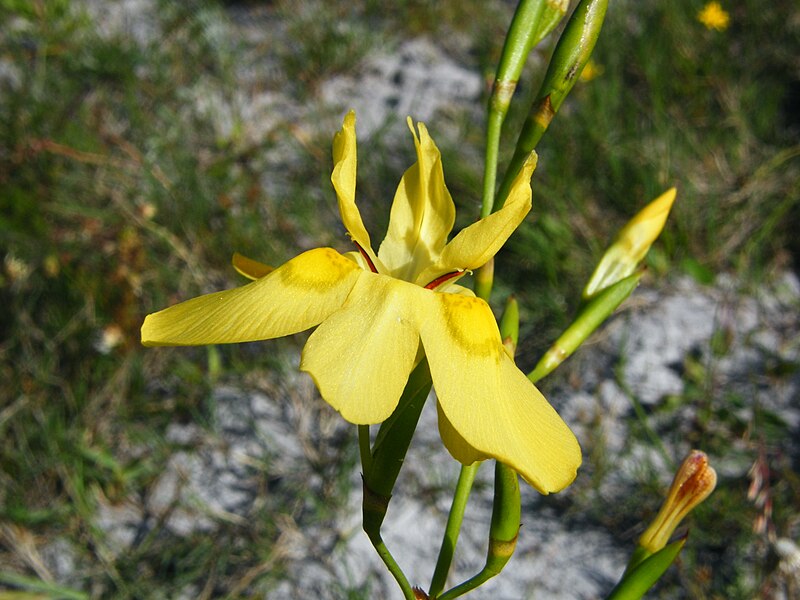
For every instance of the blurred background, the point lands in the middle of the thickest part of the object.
(142, 142)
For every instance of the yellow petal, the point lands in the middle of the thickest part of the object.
(459, 448)
(294, 297)
(491, 408)
(344, 182)
(476, 244)
(460, 290)
(361, 356)
(252, 269)
(631, 244)
(422, 213)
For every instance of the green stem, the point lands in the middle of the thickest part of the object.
(493, 128)
(532, 20)
(364, 449)
(590, 316)
(470, 584)
(374, 507)
(503, 532)
(382, 464)
(642, 575)
(465, 480)
(393, 567)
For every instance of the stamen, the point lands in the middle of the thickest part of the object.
(366, 257)
(441, 279)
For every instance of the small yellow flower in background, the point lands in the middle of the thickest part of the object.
(713, 16)
(591, 71)
(51, 264)
(377, 312)
(693, 483)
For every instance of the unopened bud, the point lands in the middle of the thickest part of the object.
(631, 244)
(693, 483)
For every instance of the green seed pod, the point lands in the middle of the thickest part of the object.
(572, 52)
(532, 21)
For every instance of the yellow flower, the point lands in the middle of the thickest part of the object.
(373, 311)
(713, 16)
(631, 244)
(591, 71)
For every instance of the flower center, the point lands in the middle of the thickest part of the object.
(430, 286)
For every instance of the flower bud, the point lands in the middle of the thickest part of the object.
(693, 483)
(631, 244)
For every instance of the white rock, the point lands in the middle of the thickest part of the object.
(416, 80)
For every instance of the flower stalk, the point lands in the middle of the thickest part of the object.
(589, 318)
(503, 531)
(640, 578)
(382, 464)
(455, 518)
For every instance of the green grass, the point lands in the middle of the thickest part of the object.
(116, 198)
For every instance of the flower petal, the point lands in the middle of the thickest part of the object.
(252, 269)
(491, 408)
(476, 244)
(422, 213)
(458, 447)
(344, 182)
(294, 297)
(361, 356)
(460, 290)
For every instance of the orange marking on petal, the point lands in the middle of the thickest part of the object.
(440, 280)
(366, 257)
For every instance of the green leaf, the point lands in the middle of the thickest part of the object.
(36, 588)
(394, 435)
(699, 272)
